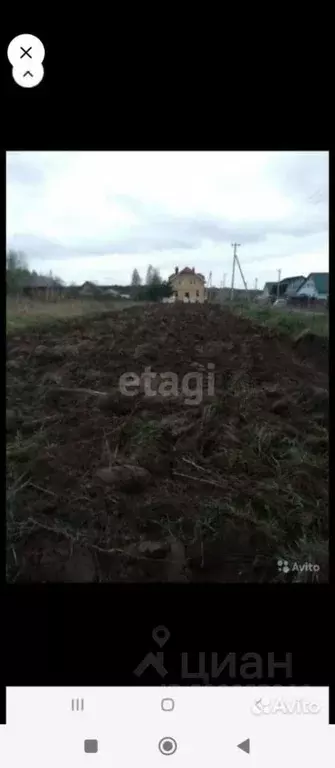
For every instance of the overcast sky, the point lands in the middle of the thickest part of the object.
(97, 215)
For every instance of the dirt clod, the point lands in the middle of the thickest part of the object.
(127, 477)
(305, 335)
(153, 548)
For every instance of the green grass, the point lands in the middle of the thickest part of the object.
(145, 433)
(22, 314)
(286, 320)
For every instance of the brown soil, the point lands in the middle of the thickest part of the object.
(107, 487)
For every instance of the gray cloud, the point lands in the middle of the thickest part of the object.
(136, 206)
(304, 175)
(169, 233)
(32, 204)
(174, 233)
(38, 247)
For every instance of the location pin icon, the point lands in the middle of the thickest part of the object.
(160, 635)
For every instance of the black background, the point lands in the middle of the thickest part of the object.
(110, 87)
(144, 82)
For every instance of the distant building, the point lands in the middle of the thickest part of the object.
(90, 289)
(267, 290)
(223, 295)
(188, 285)
(109, 291)
(283, 289)
(289, 285)
(315, 286)
(38, 286)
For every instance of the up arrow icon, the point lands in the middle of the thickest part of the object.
(245, 746)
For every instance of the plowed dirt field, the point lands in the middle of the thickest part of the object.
(215, 484)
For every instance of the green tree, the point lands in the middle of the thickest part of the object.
(17, 272)
(136, 279)
(73, 291)
(148, 278)
(156, 291)
(16, 260)
(155, 277)
(58, 280)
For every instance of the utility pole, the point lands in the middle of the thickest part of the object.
(224, 280)
(279, 273)
(242, 275)
(256, 283)
(209, 285)
(235, 246)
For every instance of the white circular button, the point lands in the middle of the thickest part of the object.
(25, 48)
(28, 78)
(26, 53)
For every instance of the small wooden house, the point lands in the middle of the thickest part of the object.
(40, 287)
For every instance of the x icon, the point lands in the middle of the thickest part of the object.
(26, 53)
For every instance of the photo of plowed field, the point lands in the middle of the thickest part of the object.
(216, 480)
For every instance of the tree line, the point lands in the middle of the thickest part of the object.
(18, 273)
(154, 288)
(18, 276)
